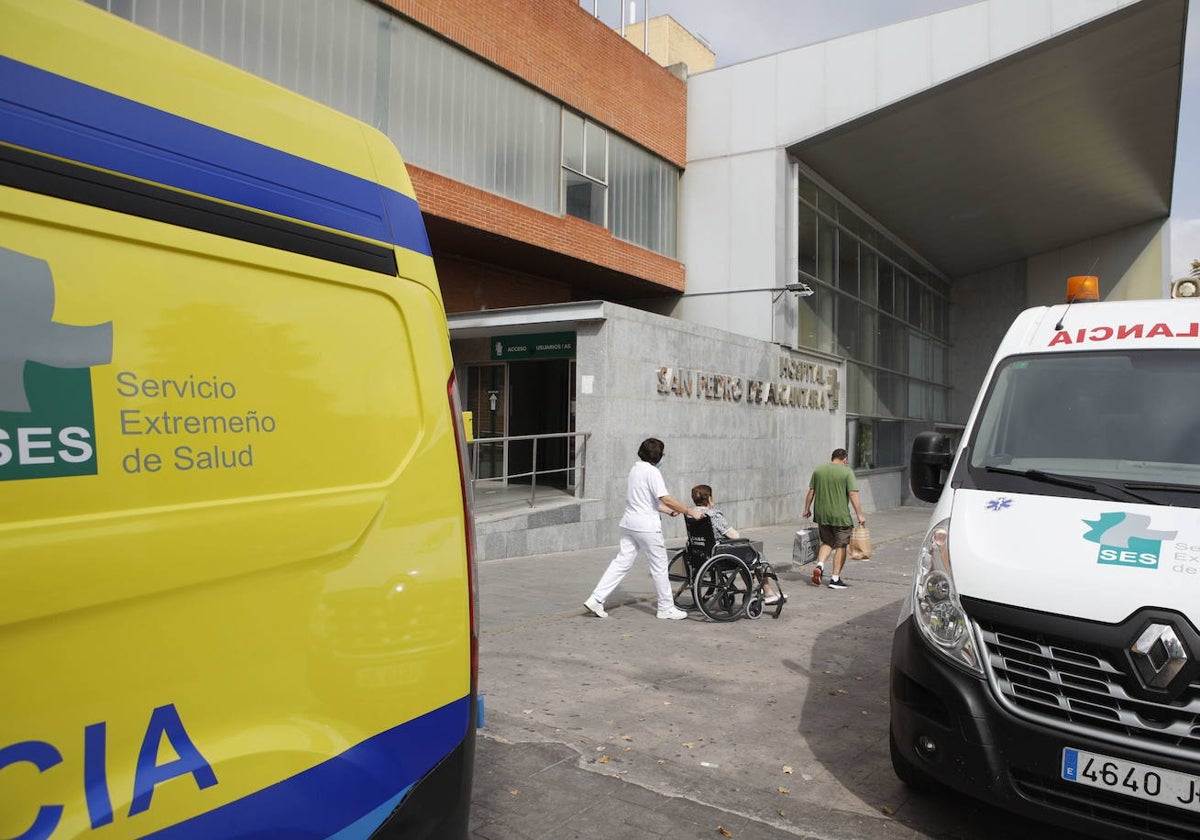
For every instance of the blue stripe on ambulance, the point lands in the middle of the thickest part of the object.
(48, 113)
(346, 797)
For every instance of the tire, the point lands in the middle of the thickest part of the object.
(754, 607)
(722, 588)
(910, 774)
(681, 582)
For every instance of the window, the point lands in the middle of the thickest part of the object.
(874, 443)
(643, 197)
(585, 169)
(878, 306)
(449, 111)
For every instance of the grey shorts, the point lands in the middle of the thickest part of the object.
(835, 536)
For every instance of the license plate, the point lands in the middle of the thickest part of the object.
(1142, 781)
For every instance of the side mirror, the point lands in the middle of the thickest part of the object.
(930, 456)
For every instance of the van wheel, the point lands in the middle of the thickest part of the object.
(910, 774)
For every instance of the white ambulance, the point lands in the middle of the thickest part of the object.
(1048, 658)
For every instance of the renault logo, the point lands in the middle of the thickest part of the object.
(1158, 655)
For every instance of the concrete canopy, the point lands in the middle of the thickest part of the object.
(1071, 138)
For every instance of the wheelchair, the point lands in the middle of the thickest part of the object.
(722, 578)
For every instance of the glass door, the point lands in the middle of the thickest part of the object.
(486, 398)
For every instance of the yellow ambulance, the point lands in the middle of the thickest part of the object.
(236, 584)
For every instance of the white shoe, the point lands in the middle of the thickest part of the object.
(595, 607)
(673, 614)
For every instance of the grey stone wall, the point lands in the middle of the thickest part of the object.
(756, 453)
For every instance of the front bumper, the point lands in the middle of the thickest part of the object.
(985, 751)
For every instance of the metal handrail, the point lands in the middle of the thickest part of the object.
(578, 466)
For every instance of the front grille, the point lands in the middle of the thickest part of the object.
(1078, 686)
(1135, 817)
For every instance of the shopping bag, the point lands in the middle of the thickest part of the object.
(860, 543)
(804, 547)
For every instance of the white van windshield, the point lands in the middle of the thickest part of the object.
(1131, 417)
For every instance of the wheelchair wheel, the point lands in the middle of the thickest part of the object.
(754, 607)
(681, 581)
(723, 587)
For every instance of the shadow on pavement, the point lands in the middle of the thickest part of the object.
(845, 722)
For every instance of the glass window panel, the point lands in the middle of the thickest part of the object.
(900, 295)
(643, 197)
(808, 322)
(596, 148)
(826, 251)
(572, 141)
(924, 317)
(916, 355)
(892, 352)
(940, 404)
(847, 263)
(893, 395)
(886, 286)
(584, 197)
(918, 395)
(938, 372)
(827, 204)
(853, 374)
(888, 445)
(816, 321)
(807, 235)
(871, 397)
(868, 334)
(868, 275)
(862, 445)
(808, 190)
(847, 327)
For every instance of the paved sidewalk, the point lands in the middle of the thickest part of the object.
(636, 727)
(524, 590)
(766, 729)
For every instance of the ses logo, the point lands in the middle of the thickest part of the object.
(1126, 539)
(47, 423)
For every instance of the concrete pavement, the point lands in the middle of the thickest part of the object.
(764, 729)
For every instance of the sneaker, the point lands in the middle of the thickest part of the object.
(775, 599)
(838, 583)
(817, 570)
(595, 607)
(673, 614)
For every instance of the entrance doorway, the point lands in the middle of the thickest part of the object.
(541, 400)
(511, 399)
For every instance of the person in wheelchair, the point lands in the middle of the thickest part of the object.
(702, 498)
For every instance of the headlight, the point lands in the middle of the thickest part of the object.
(936, 609)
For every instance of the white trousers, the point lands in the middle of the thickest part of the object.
(632, 542)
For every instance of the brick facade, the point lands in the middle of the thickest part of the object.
(492, 252)
(559, 48)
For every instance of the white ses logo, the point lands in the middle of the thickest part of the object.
(1126, 539)
(47, 424)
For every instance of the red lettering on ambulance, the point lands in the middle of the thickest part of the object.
(1122, 331)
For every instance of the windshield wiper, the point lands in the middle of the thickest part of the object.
(1153, 485)
(1077, 484)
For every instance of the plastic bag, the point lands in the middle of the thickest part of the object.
(804, 546)
(860, 543)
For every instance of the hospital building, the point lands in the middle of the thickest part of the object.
(757, 263)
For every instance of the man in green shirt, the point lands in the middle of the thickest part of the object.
(832, 486)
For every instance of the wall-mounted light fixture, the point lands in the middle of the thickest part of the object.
(802, 289)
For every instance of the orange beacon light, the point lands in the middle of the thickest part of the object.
(1083, 287)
